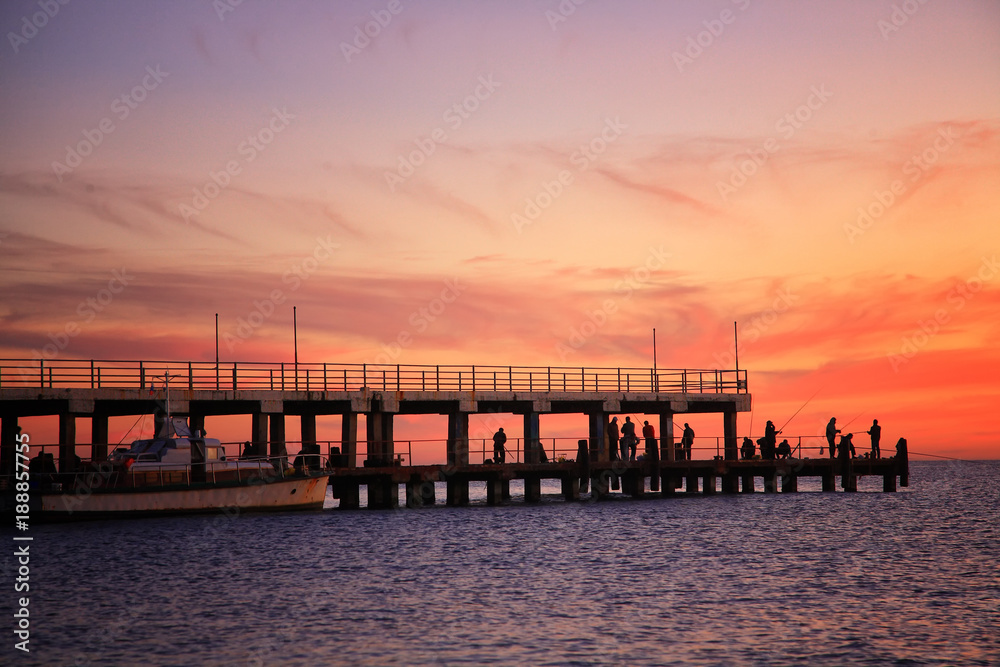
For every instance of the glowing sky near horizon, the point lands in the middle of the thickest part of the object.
(825, 174)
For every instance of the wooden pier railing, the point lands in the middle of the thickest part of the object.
(99, 373)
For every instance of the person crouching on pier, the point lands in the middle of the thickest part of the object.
(748, 449)
(784, 450)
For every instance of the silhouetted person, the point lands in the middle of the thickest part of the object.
(766, 448)
(247, 450)
(649, 433)
(629, 441)
(613, 436)
(784, 450)
(831, 436)
(771, 436)
(846, 447)
(687, 441)
(876, 433)
(499, 451)
(748, 449)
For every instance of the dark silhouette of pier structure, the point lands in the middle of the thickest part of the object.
(268, 392)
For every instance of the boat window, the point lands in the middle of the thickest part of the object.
(212, 453)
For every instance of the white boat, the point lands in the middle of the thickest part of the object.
(176, 472)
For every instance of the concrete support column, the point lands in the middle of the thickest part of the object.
(67, 442)
(667, 437)
(747, 483)
(349, 438)
(98, 437)
(771, 480)
(308, 433)
(598, 436)
(8, 445)
(277, 433)
(692, 483)
(258, 440)
(789, 483)
(494, 490)
(708, 485)
(731, 447)
(532, 453)
(829, 480)
(458, 456)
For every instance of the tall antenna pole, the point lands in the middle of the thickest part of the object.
(656, 385)
(736, 352)
(216, 350)
(295, 335)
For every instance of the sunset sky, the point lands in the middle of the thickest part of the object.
(825, 174)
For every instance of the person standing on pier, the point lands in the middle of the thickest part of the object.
(771, 436)
(687, 441)
(629, 441)
(499, 451)
(613, 436)
(831, 436)
(876, 433)
(649, 433)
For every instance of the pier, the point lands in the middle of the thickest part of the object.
(268, 392)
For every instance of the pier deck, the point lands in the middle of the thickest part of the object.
(99, 389)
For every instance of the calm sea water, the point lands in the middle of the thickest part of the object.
(910, 578)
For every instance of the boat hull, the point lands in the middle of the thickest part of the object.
(292, 493)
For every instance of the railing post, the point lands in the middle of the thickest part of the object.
(190, 378)
(91, 373)
(324, 376)
(437, 378)
(398, 385)
(142, 376)
(41, 372)
(234, 376)
(510, 378)
(364, 375)
(619, 380)
(473, 377)
(548, 379)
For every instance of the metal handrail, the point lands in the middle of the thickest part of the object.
(204, 375)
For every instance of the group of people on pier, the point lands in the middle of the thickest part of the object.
(624, 443)
(845, 448)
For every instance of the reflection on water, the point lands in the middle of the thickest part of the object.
(867, 578)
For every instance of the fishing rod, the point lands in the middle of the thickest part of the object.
(800, 410)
